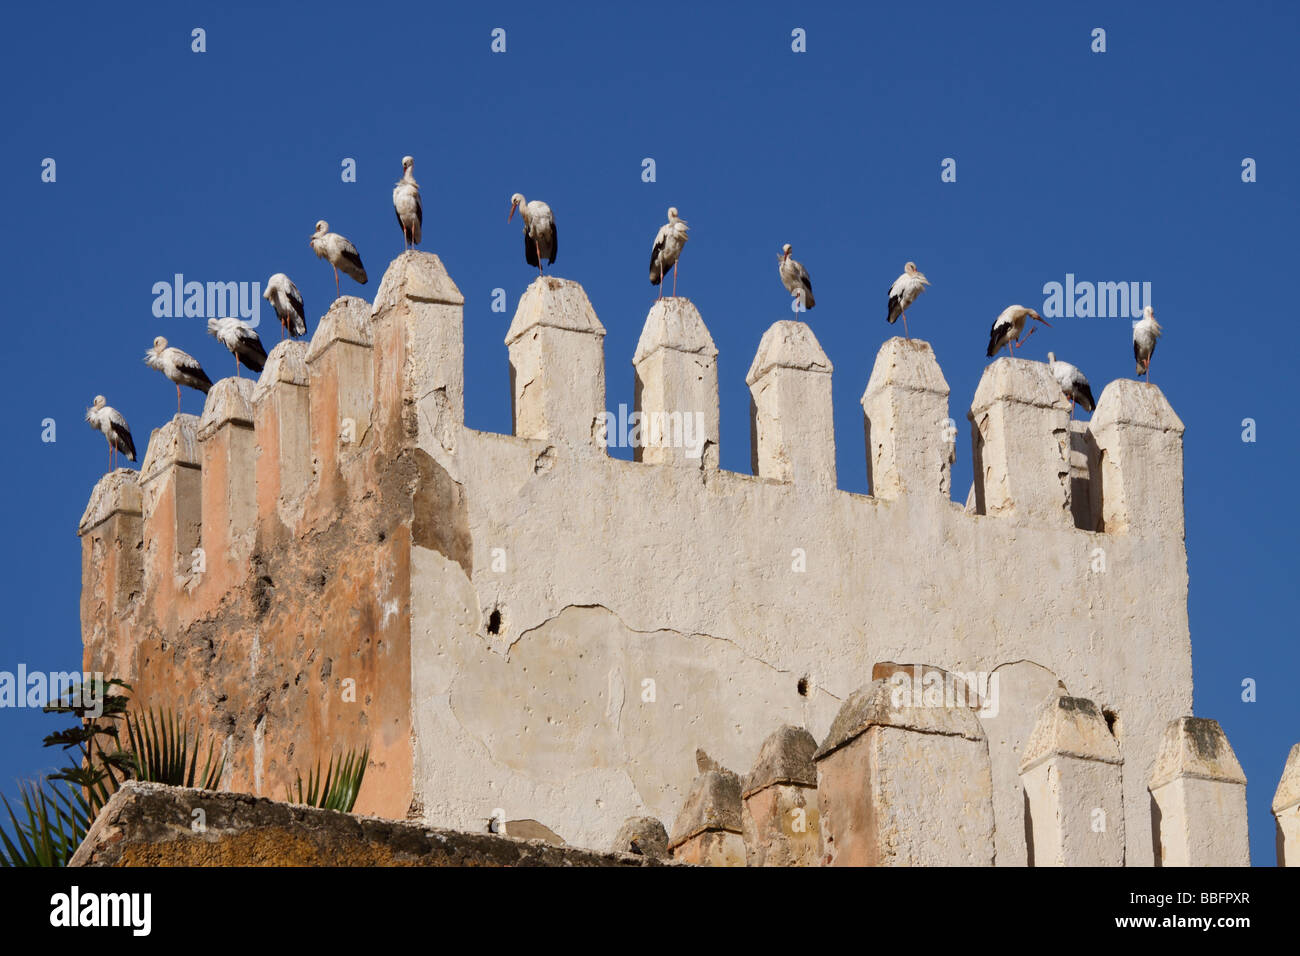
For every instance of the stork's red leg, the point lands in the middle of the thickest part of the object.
(905, 333)
(675, 279)
(337, 291)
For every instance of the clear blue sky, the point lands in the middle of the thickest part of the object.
(1120, 166)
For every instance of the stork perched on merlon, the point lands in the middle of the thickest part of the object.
(1145, 333)
(339, 252)
(1009, 325)
(242, 341)
(105, 418)
(795, 278)
(670, 240)
(181, 368)
(1073, 383)
(904, 292)
(287, 302)
(406, 203)
(540, 237)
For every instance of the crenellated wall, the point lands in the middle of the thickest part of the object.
(535, 628)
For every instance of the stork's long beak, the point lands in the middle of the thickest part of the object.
(1044, 321)
(513, 207)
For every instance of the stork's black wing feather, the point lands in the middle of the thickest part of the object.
(530, 250)
(122, 440)
(251, 353)
(555, 241)
(353, 258)
(895, 308)
(1085, 397)
(993, 340)
(656, 273)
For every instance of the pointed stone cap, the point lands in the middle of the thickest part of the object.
(287, 362)
(1070, 727)
(1288, 788)
(713, 804)
(674, 323)
(644, 836)
(557, 303)
(419, 276)
(906, 364)
(1195, 747)
(785, 757)
(230, 401)
(1126, 401)
(891, 702)
(176, 443)
(1019, 380)
(788, 344)
(348, 320)
(118, 492)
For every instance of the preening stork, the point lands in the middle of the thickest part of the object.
(1008, 326)
(904, 292)
(1073, 383)
(669, 242)
(406, 203)
(287, 302)
(180, 367)
(1145, 334)
(340, 253)
(107, 419)
(540, 238)
(241, 338)
(794, 277)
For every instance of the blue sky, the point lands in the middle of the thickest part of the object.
(1116, 166)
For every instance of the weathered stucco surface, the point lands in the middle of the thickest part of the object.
(536, 628)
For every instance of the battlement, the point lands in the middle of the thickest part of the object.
(330, 557)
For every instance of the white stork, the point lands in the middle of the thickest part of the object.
(340, 253)
(287, 302)
(540, 238)
(1073, 383)
(669, 242)
(180, 367)
(794, 277)
(904, 292)
(241, 338)
(109, 420)
(406, 203)
(1008, 326)
(1145, 334)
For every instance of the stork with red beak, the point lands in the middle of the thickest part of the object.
(540, 238)
(1008, 326)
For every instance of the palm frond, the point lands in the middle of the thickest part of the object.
(161, 751)
(340, 786)
(52, 823)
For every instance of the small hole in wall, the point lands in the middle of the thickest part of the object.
(803, 686)
(494, 621)
(1112, 722)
